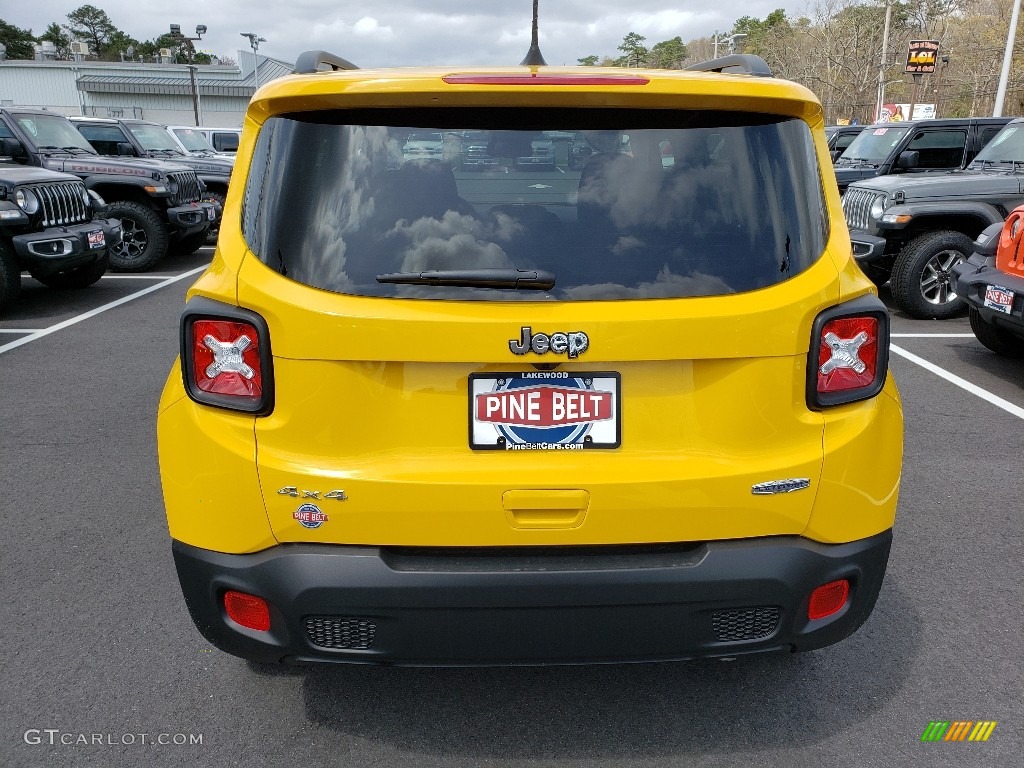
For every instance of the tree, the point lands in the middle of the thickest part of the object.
(588, 61)
(118, 44)
(18, 41)
(56, 35)
(91, 25)
(181, 49)
(668, 54)
(633, 49)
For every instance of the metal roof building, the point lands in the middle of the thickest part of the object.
(159, 92)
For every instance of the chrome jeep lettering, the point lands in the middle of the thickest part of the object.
(573, 343)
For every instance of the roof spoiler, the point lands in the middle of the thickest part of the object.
(735, 64)
(320, 61)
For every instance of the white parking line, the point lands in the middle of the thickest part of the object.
(20, 330)
(931, 335)
(134, 277)
(93, 312)
(974, 389)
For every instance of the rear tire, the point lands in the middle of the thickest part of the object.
(10, 278)
(923, 284)
(997, 339)
(79, 277)
(144, 240)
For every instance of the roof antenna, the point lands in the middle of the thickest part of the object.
(534, 58)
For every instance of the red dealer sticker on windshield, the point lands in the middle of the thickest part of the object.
(544, 410)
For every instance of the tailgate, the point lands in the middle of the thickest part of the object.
(371, 440)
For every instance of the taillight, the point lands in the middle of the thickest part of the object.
(227, 358)
(225, 354)
(849, 353)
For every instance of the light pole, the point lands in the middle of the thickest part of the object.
(254, 43)
(880, 97)
(938, 82)
(1004, 75)
(190, 52)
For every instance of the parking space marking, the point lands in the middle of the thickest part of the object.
(134, 277)
(93, 312)
(931, 335)
(952, 378)
(20, 330)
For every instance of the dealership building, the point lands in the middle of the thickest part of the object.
(162, 92)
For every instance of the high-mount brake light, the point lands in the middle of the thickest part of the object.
(545, 79)
(226, 358)
(849, 353)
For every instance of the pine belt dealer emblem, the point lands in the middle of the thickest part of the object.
(309, 516)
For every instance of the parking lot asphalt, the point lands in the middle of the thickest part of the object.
(99, 648)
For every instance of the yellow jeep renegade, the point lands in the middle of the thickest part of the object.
(531, 365)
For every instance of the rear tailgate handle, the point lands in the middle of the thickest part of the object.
(545, 508)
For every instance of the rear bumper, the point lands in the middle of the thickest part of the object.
(60, 248)
(532, 606)
(972, 281)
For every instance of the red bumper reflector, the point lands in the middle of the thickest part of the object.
(828, 599)
(248, 610)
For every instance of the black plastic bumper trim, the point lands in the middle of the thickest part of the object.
(439, 611)
(74, 241)
(867, 247)
(972, 288)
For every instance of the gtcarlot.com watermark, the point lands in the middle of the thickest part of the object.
(58, 738)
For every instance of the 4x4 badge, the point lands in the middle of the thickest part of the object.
(573, 343)
(293, 491)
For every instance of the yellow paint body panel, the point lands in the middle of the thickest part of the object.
(372, 393)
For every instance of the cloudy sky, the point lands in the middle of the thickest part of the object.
(414, 32)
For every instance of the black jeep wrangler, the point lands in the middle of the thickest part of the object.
(141, 138)
(158, 203)
(49, 226)
(912, 231)
(921, 146)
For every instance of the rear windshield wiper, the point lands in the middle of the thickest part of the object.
(521, 279)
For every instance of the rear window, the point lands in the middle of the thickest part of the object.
(615, 204)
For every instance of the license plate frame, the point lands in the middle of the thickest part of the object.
(96, 239)
(503, 420)
(998, 298)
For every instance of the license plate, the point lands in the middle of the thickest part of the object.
(998, 298)
(96, 239)
(544, 410)
(211, 214)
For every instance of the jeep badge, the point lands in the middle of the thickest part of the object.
(574, 343)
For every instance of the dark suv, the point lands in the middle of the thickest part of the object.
(140, 138)
(912, 231)
(923, 146)
(49, 226)
(158, 203)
